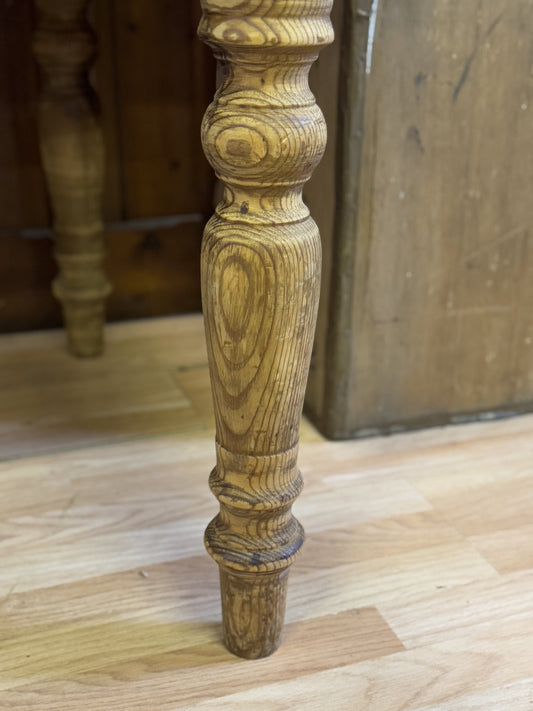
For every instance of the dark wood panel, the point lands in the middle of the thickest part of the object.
(153, 273)
(155, 80)
(22, 189)
(105, 79)
(166, 81)
(26, 272)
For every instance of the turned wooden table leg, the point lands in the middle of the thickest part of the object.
(263, 134)
(73, 159)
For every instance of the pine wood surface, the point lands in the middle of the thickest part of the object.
(413, 591)
(264, 135)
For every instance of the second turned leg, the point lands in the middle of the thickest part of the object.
(73, 160)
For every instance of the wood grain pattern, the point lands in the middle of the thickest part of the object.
(263, 135)
(108, 599)
(72, 152)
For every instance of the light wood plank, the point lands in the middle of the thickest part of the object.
(516, 696)
(446, 612)
(406, 680)
(358, 635)
(507, 549)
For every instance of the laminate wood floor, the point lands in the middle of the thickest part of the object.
(414, 589)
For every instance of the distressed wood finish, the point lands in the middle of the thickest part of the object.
(263, 134)
(73, 158)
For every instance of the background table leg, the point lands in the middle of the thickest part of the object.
(73, 160)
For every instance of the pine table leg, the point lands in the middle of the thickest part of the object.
(264, 135)
(73, 160)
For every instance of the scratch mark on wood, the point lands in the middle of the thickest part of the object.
(10, 592)
(413, 134)
(464, 75)
(511, 234)
(479, 310)
(468, 63)
(494, 25)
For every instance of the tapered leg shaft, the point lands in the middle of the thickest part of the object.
(263, 134)
(73, 160)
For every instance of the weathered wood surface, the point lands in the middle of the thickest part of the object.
(413, 591)
(263, 134)
(436, 324)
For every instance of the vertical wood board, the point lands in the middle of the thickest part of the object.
(444, 274)
(439, 321)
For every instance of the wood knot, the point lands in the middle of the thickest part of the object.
(241, 146)
(236, 147)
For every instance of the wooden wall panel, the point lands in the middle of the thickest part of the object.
(22, 190)
(26, 272)
(440, 319)
(163, 75)
(156, 272)
(105, 79)
(154, 79)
